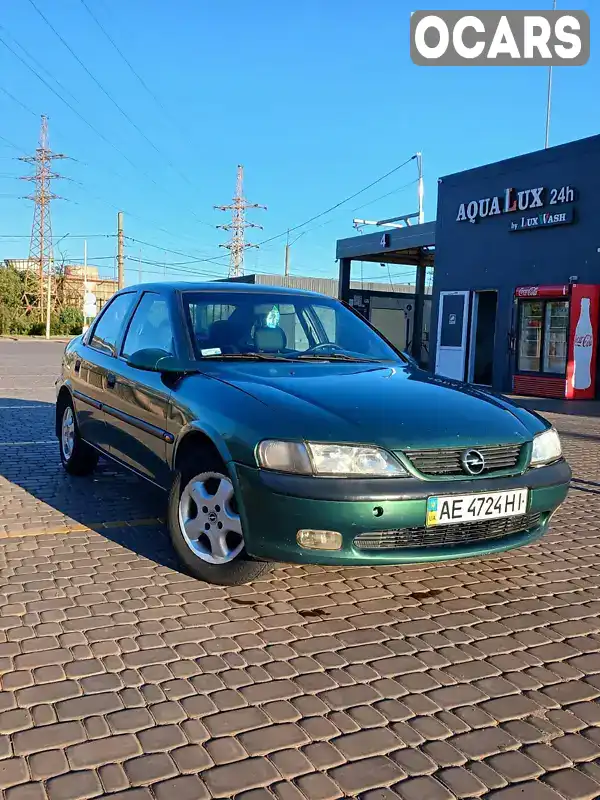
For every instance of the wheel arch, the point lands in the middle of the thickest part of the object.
(63, 397)
(195, 435)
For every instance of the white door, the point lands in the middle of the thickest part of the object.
(453, 321)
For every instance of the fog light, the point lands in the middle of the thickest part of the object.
(319, 540)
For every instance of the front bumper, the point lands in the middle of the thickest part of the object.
(275, 506)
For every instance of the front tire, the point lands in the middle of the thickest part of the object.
(77, 456)
(205, 526)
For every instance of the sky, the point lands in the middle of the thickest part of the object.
(316, 99)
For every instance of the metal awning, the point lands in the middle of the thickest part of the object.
(413, 245)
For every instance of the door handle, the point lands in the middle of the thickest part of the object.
(111, 380)
(78, 365)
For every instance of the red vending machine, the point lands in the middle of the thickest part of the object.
(557, 335)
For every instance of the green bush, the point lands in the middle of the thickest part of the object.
(70, 321)
(20, 326)
(37, 328)
(13, 321)
(14, 318)
(13, 313)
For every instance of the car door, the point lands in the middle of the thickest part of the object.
(136, 409)
(93, 363)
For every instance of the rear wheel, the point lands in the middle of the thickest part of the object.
(205, 525)
(77, 456)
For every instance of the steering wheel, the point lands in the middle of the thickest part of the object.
(325, 345)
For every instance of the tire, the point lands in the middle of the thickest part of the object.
(229, 564)
(77, 456)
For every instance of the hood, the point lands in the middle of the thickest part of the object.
(395, 407)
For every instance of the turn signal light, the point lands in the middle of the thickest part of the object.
(319, 540)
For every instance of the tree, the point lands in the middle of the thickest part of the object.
(12, 308)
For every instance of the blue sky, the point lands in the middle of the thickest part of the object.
(317, 99)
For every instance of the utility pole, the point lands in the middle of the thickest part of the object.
(288, 244)
(420, 189)
(120, 242)
(236, 245)
(549, 98)
(286, 270)
(40, 246)
(85, 283)
(48, 302)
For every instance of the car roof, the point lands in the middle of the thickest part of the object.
(233, 287)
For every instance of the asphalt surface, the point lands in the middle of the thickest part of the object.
(123, 677)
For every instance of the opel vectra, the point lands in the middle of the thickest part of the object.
(285, 428)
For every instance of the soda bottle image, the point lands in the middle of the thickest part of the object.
(582, 349)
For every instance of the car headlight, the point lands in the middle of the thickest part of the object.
(309, 458)
(546, 448)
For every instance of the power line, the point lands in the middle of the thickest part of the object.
(93, 128)
(341, 203)
(116, 105)
(74, 110)
(98, 133)
(155, 226)
(70, 235)
(12, 144)
(18, 102)
(194, 259)
(37, 63)
(124, 57)
(369, 203)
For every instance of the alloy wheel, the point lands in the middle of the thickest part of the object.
(209, 519)
(67, 438)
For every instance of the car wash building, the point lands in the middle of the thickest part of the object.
(403, 317)
(516, 286)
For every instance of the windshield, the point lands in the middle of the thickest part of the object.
(271, 325)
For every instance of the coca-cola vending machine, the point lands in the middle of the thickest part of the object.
(557, 333)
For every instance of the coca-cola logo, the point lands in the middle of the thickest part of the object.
(527, 291)
(583, 341)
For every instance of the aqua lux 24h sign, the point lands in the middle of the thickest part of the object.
(514, 201)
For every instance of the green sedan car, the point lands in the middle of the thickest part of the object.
(285, 428)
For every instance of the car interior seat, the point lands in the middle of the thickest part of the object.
(270, 340)
(224, 335)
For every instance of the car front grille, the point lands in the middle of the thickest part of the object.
(447, 535)
(447, 461)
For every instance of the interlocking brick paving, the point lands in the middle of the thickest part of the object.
(124, 677)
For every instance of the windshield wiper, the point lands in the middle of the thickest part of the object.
(296, 357)
(334, 357)
(243, 356)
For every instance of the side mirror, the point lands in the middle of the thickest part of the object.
(148, 359)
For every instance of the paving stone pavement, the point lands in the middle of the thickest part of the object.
(123, 677)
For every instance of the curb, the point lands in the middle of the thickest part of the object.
(8, 338)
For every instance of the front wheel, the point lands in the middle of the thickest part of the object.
(205, 526)
(77, 456)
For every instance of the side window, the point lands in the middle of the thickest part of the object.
(108, 327)
(150, 327)
(327, 318)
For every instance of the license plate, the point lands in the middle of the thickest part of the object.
(454, 508)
